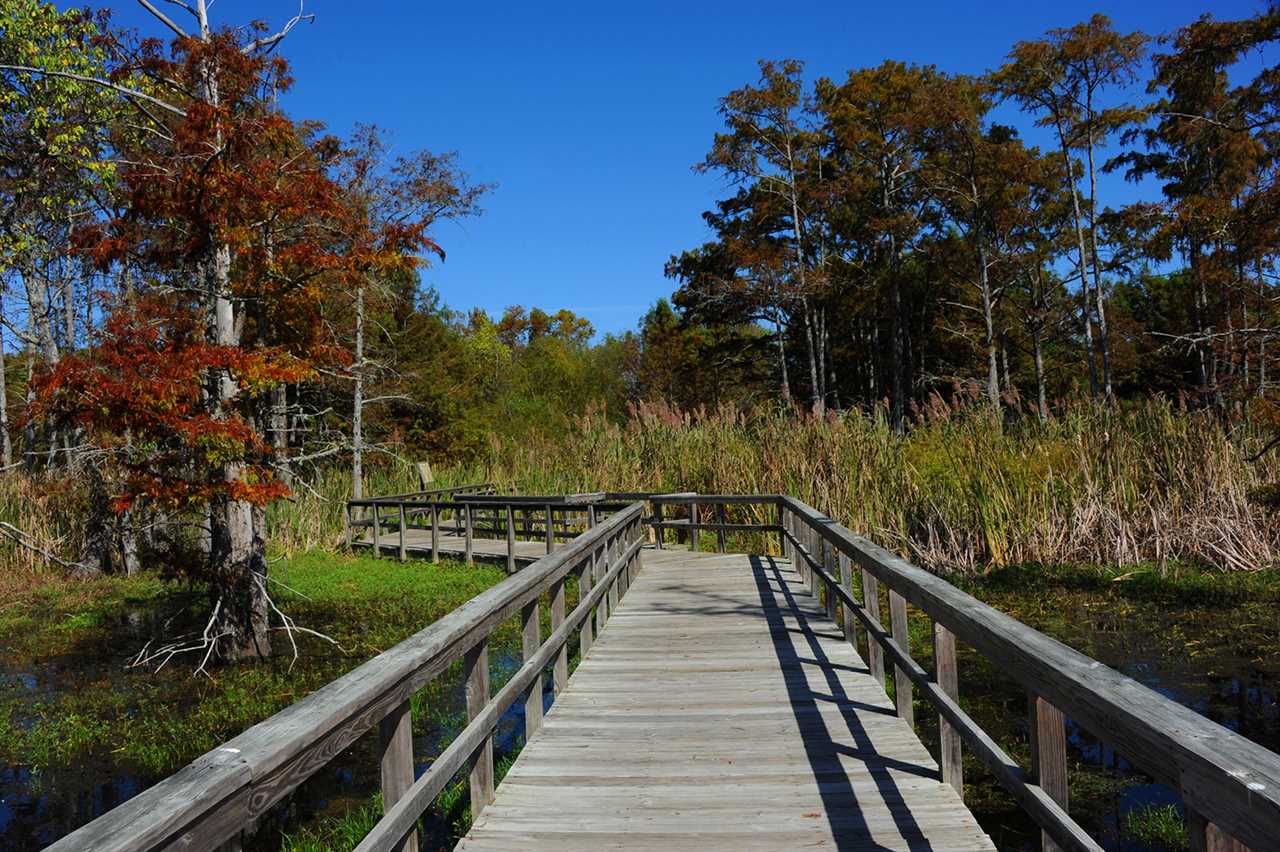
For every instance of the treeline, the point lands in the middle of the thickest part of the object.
(893, 238)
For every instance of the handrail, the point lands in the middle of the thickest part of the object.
(215, 796)
(452, 490)
(1228, 783)
(401, 817)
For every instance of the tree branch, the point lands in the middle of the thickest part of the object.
(98, 81)
(164, 19)
(269, 42)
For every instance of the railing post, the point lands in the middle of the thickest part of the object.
(591, 516)
(599, 565)
(693, 526)
(466, 522)
(828, 565)
(1048, 755)
(560, 672)
(531, 639)
(511, 540)
(477, 678)
(720, 533)
(848, 622)
(584, 589)
(1204, 836)
(811, 547)
(551, 531)
(395, 736)
(377, 531)
(871, 600)
(947, 676)
(401, 553)
(902, 682)
(615, 553)
(784, 521)
(346, 525)
(435, 533)
(657, 525)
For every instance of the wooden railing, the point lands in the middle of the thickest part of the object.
(548, 519)
(711, 513)
(1229, 785)
(207, 804)
(370, 512)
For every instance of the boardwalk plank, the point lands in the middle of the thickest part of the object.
(721, 709)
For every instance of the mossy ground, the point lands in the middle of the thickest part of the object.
(81, 635)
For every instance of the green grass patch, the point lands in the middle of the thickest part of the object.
(1158, 826)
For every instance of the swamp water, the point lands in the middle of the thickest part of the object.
(1222, 662)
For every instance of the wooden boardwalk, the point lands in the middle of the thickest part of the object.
(721, 709)
(718, 706)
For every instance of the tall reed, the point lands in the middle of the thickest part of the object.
(1143, 484)
(960, 491)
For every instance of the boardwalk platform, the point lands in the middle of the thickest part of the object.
(722, 710)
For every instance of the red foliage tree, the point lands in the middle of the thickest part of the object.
(230, 214)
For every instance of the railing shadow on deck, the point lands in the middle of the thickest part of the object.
(840, 802)
(1229, 785)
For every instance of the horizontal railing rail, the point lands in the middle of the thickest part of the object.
(209, 802)
(1229, 785)
(475, 489)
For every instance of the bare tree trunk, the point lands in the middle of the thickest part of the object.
(357, 404)
(815, 387)
(280, 432)
(1262, 339)
(1100, 298)
(1004, 364)
(1037, 347)
(6, 445)
(237, 551)
(29, 427)
(1083, 265)
(988, 317)
(782, 363)
(69, 313)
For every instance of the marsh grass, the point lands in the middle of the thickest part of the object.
(1148, 484)
(1144, 485)
(1159, 826)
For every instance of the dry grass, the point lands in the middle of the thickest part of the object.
(1147, 484)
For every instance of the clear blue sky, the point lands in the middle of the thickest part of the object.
(589, 115)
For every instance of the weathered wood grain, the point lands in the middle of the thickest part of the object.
(720, 711)
(1048, 755)
(530, 620)
(947, 676)
(902, 693)
(476, 674)
(395, 737)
